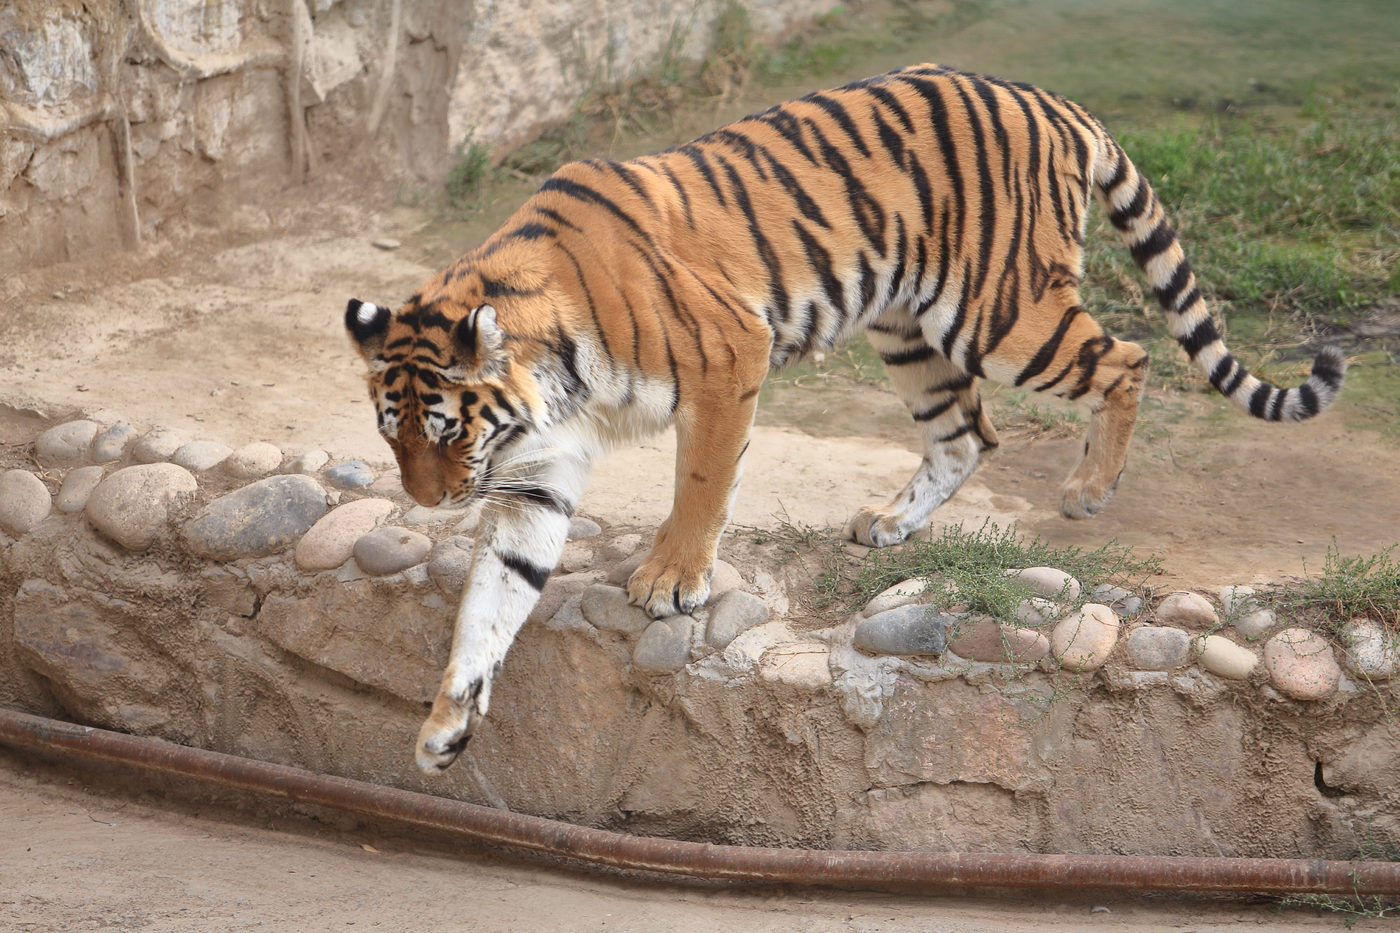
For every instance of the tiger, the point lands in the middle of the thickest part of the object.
(942, 213)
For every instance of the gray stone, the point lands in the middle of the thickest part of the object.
(1222, 657)
(388, 550)
(1121, 600)
(724, 578)
(78, 484)
(1037, 611)
(261, 518)
(1084, 640)
(253, 460)
(111, 443)
(65, 443)
(576, 557)
(157, 445)
(133, 505)
(24, 501)
(449, 563)
(198, 456)
(607, 608)
(906, 630)
(331, 541)
(580, 528)
(561, 592)
(1253, 624)
(1158, 648)
(352, 474)
(665, 645)
(1186, 609)
(622, 547)
(434, 515)
(1371, 652)
(309, 462)
(736, 612)
(982, 638)
(901, 594)
(1048, 582)
(1301, 664)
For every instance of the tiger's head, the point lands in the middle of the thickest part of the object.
(442, 383)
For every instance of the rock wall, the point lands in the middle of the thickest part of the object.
(298, 611)
(117, 119)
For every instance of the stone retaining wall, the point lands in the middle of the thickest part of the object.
(273, 604)
(116, 119)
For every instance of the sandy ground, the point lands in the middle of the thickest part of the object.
(242, 341)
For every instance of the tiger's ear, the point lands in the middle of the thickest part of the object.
(480, 346)
(367, 323)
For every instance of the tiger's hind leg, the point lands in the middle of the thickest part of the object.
(1074, 359)
(945, 403)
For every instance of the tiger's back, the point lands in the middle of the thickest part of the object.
(943, 213)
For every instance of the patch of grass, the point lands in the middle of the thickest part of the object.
(1012, 409)
(1348, 588)
(470, 167)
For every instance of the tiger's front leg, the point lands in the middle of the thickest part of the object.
(519, 540)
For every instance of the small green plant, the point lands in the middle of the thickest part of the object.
(1348, 588)
(470, 167)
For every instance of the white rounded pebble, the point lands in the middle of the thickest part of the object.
(24, 501)
(111, 443)
(901, 594)
(309, 462)
(254, 460)
(198, 456)
(1301, 664)
(388, 550)
(1238, 599)
(607, 608)
(1372, 653)
(331, 541)
(1256, 623)
(77, 486)
(157, 445)
(1083, 641)
(1158, 648)
(132, 506)
(1189, 610)
(1048, 581)
(65, 443)
(1221, 656)
(665, 645)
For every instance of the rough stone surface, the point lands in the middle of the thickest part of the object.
(309, 462)
(724, 579)
(901, 594)
(388, 550)
(622, 547)
(1221, 656)
(253, 460)
(665, 645)
(1120, 600)
(580, 528)
(112, 443)
(1037, 611)
(352, 474)
(449, 563)
(24, 501)
(157, 445)
(607, 608)
(1189, 610)
(78, 484)
(908, 630)
(1083, 641)
(132, 506)
(1048, 582)
(805, 666)
(261, 518)
(66, 443)
(1371, 652)
(425, 515)
(1254, 624)
(734, 613)
(1158, 648)
(1301, 664)
(576, 557)
(982, 638)
(331, 541)
(198, 456)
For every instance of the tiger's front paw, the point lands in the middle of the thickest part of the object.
(875, 526)
(666, 588)
(450, 725)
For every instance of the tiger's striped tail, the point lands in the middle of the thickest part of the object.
(1136, 212)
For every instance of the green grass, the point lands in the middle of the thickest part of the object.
(1347, 588)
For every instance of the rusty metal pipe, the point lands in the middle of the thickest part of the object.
(928, 871)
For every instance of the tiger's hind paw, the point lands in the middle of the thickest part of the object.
(875, 526)
(1079, 500)
(664, 588)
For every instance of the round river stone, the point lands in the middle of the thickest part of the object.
(259, 519)
(388, 550)
(330, 542)
(1082, 641)
(110, 444)
(24, 501)
(65, 443)
(133, 505)
(1301, 664)
(78, 484)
